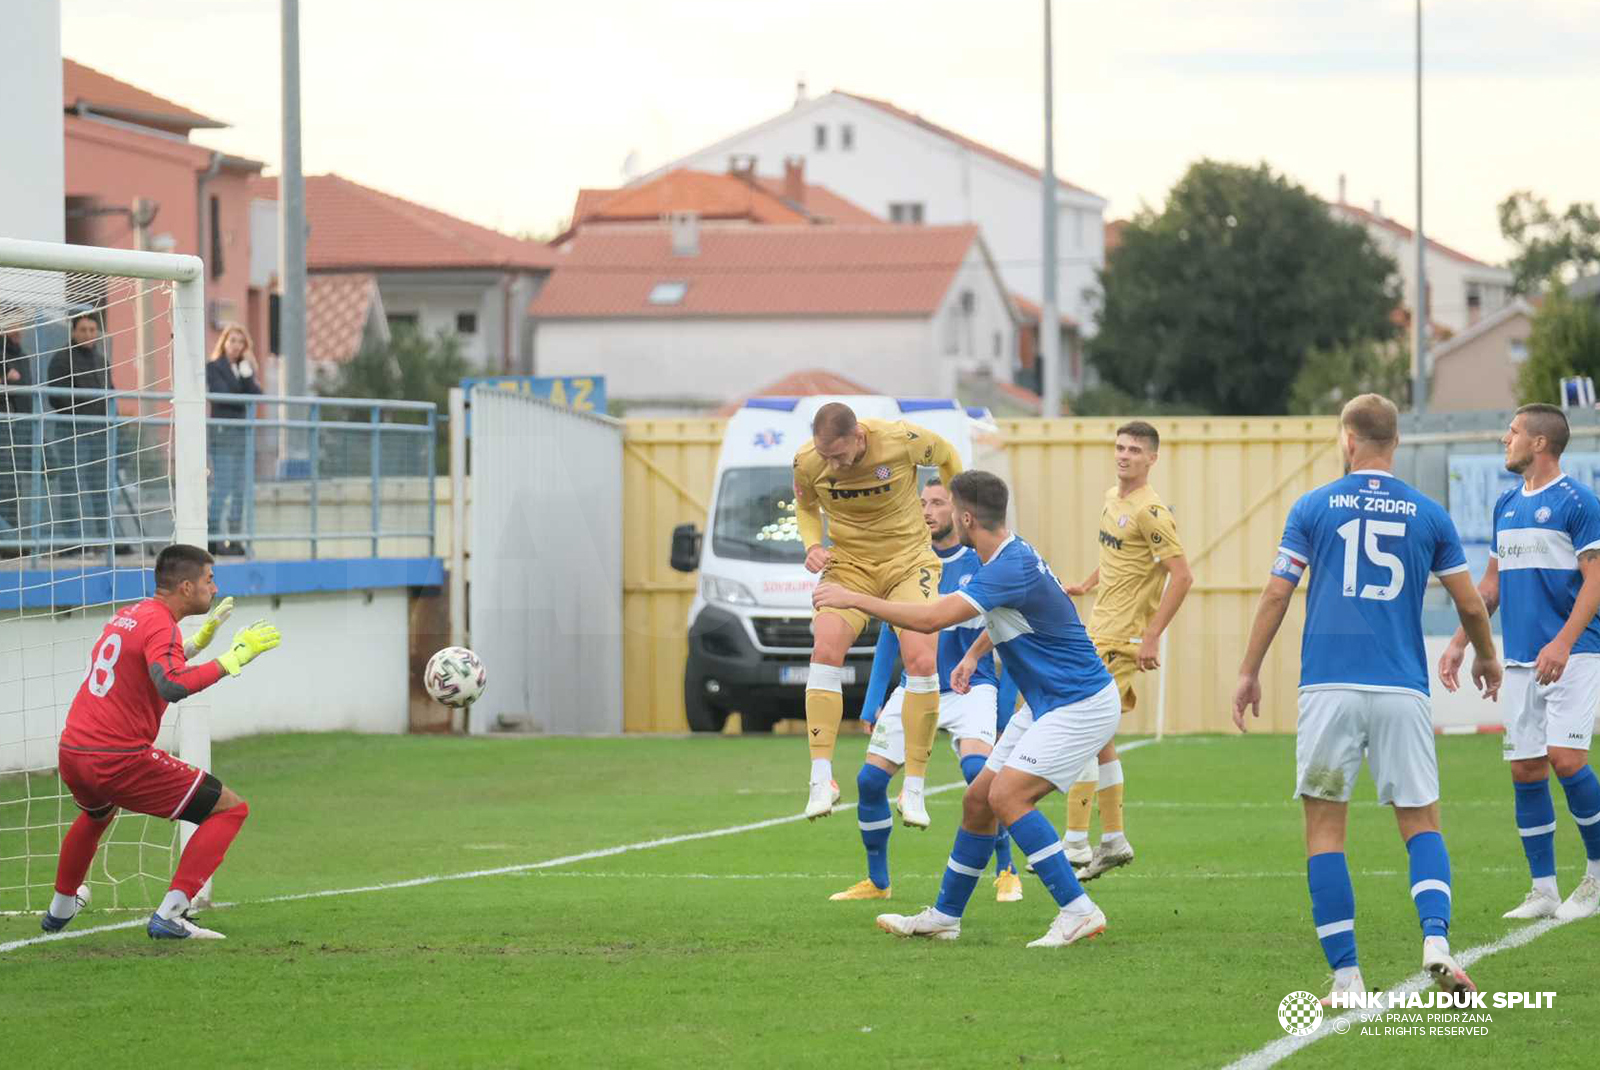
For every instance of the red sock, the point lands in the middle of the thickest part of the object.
(77, 852)
(206, 848)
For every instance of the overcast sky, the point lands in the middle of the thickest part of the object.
(498, 110)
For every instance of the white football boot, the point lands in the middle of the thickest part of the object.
(913, 810)
(1078, 852)
(1344, 981)
(1106, 858)
(1070, 927)
(923, 924)
(819, 803)
(1583, 902)
(1447, 975)
(1536, 905)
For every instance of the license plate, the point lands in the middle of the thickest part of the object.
(796, 674)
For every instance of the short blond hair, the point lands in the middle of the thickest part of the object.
(1373, 419)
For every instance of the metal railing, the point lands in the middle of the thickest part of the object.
(319, 477)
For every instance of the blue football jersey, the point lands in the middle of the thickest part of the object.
(960, 566)
(1036, 628)
(1537, 540)
(1370, 541)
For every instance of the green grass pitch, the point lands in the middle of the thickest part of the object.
(725, 951)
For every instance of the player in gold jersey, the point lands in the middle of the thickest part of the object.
(1143, 578)
(863, 475)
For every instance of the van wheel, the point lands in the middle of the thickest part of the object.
(702, 715)
(759, 721)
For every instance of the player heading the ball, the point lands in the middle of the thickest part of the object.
(107, 756)
(863, 475)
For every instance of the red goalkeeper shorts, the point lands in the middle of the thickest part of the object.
(146, 781)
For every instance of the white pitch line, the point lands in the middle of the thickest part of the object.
(1280, 1050)
(499, 871)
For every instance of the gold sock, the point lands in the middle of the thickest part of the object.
(920, 719)
(1080, 805)
(824, 711)
(1110, 809)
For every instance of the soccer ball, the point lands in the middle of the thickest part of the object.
(455, 676)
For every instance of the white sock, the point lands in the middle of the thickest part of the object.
(1112, 839)
(1081, 906)
(1109, 775)
(942, 918)
(1593, 869)
(913, 783)
(821, 770)
(1437, 941)
(1074, 838)
(174, 904)
(1346, 976)
(1547, 885)
(64, 907)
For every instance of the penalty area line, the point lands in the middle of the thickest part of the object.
(497, 871)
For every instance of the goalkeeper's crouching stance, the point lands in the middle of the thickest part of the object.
(107, 757)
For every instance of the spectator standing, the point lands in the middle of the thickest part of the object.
(232, 369)
(76, 440)
(15, 406)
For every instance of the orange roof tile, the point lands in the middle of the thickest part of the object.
(1114, 231)
(116, 99)
(610, 271)
(354, 227)
(824, 205)
(960, 139)
(801, 384)
(713, 196)
(1031, 312)
(337, 309)
(1363, 216)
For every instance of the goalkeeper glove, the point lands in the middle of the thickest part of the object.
(248, 644)
(208, 629)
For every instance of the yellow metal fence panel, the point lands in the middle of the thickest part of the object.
(1229, 481)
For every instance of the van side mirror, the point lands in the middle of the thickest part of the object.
(685, 548)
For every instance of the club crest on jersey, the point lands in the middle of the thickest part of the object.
(769, 438)
(964, 580)
(1374, 483)
(1541, 514)
(882, 471)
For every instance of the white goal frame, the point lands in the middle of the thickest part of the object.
(188, 445)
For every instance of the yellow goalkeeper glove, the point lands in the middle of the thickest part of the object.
(208, 629)
(248, 644)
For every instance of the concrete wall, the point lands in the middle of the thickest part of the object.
(30, 85)
(343, 665)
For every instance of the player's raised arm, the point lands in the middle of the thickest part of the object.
(929, 450)
(927, 617)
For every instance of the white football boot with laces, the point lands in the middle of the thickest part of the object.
(1344, 981)
(1448, 976)
(1583, 902)
(1536, 905)
(819, 803)
(922, 924)
(1069, 927)
(913, 810)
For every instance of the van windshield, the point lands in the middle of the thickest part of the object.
(755, 518)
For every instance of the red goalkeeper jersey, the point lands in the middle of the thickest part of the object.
(136, 668)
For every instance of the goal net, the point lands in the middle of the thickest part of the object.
(102, 463)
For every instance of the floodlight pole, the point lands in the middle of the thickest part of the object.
(292, 216)
(1049, 320)
(1419, 315)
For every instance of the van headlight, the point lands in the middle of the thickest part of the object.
(729, 592)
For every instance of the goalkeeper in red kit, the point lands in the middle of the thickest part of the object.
(107, 755)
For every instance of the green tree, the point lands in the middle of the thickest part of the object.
(1565, 340)
(411, 367)
(1216, 301)
(1331, 377)
(1548, 245)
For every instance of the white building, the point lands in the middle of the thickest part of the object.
(1462, 289)
(688, 316)
(909, 170)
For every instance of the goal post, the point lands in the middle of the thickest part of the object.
(88, 494)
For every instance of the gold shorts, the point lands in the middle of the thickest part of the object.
(1122, 662)
(911, 577)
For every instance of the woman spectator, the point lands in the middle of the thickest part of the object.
(232, 369)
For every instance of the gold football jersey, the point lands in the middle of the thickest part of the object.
(1137, 533)
(874, 507)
